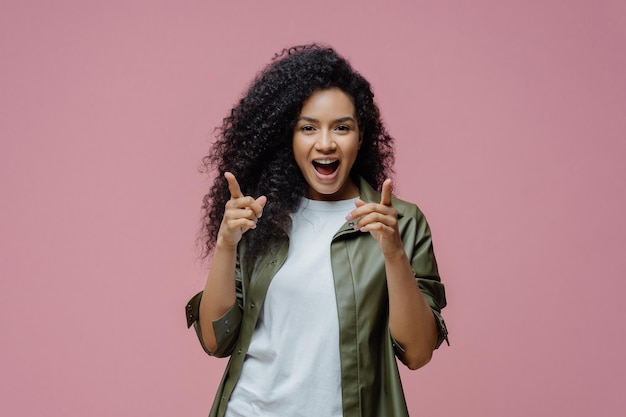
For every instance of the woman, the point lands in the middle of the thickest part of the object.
(317, 281)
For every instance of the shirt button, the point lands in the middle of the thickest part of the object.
(225, 321)
(252, 305)
(273, 262)
(239, 352)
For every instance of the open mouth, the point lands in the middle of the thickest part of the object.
(326, 167)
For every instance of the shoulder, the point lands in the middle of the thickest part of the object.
(406, 208)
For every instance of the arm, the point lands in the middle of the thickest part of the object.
(240, 215)
(219, 293)
(411, 319)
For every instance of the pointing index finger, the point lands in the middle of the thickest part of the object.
(385, 196)
(233, 185)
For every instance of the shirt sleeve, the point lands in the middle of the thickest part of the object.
(226, 328)
(433, 291)
(427, 276)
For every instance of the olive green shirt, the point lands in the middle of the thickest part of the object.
(370, 380)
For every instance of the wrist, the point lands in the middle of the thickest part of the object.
(223, 245)
(397, 255)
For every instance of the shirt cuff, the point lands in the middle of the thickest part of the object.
(443, 330)
(226, 328)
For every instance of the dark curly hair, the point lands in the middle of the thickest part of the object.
(255, 141)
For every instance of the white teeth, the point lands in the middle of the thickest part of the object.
(325, 161)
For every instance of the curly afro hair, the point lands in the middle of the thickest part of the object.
(255, 141)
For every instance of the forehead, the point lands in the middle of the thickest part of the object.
(328, 101)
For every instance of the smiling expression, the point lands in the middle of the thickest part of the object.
(326, 141)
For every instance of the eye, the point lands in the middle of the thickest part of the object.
(343, 128)
(307, 128)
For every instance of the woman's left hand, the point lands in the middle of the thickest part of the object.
(380, 220)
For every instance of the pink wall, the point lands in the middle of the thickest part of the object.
(509, 118)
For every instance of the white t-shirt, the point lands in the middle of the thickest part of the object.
(292, 367)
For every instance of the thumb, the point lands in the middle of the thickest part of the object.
(385, 195)
(261, 201)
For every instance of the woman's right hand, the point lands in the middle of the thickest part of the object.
(240, 215)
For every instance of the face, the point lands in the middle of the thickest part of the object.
(326, 141)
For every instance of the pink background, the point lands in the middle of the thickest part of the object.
(511, 135)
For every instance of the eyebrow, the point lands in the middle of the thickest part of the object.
(340, 120)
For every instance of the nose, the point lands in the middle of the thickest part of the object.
(325, 141)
